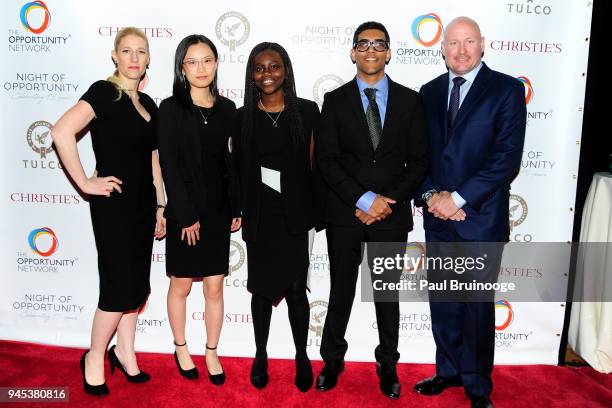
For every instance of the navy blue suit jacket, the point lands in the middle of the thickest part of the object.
(479, 156)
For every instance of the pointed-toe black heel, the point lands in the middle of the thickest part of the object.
(114, 362)
(216, 379)
(101, 389)
(192, 373)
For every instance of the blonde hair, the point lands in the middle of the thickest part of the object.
(124, 32)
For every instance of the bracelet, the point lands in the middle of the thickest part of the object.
(160, 206)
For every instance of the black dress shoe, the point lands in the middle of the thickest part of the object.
(192, 373)
(114, 362)
(101, 389)
(480, 401)
(259, 372)
(216, 379)
(329, 375)
(436, 384)
(303, 373)
(389, 382)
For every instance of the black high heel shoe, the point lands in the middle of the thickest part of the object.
(192, 373)
(101, 389)
(303, 373)
(114, 362)
(259, 372)
(217, 379)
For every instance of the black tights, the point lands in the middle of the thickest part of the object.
(299, 315)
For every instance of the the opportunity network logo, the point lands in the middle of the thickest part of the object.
(46, 234)
(43, 242)
(426, 20)
(35, 6)
(426, 31)
(35, 18)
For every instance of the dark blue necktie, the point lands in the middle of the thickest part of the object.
(453, 104)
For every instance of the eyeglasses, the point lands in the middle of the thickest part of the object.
(193, 63)
(364, 45)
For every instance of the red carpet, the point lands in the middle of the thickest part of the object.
(23, 364)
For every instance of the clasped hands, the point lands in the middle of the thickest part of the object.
(378, 211)
(442, 206)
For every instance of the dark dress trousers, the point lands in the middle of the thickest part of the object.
(350, 166)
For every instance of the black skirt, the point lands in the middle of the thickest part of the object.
(210, 255)
(276, 259)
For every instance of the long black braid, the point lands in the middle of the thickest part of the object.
(251, 96)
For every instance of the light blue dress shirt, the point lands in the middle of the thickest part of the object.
(465, 88)
(382, 93)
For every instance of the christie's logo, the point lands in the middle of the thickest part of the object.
(528, 89)
(426, 31)
(34, 6)
(505, 309)
(232, 29)
(46, 198)
(34, 240)
(323, 85)
(150, 32)
(424, 37)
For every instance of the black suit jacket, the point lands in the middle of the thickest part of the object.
(350, 166)
(296, 176)
(178, 136)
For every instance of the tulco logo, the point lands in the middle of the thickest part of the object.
(36, 7)
(528, 89)
(237, 256)
(505, 309)
(517, 215)
(232, 29)
(325, 84)
(318, 312)
(43, 234)
(427, 20)
(39, 138)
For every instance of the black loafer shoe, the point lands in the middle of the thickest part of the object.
(329, 375)
(436, 384)
(389, 382)
(259, 372)
(480, 401)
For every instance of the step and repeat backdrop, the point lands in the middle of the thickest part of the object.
(53, 50)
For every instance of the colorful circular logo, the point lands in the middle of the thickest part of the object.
(528, 89)
(415, 251)
(35, 235)
(144, 81)
(25, 12)
(504, 305)
(427, 19)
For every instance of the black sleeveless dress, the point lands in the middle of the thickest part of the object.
(123, 223)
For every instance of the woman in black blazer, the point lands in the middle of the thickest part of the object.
(193, 133)
(274, 166)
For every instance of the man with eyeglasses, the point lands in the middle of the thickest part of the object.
(372, 154)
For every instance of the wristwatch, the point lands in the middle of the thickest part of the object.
(428, 194)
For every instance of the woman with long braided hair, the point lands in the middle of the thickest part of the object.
(272, 151)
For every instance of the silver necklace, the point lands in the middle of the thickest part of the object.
(274, 121)
(204, 117)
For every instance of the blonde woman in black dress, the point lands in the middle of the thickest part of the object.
(193, 133)
(124, 192)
